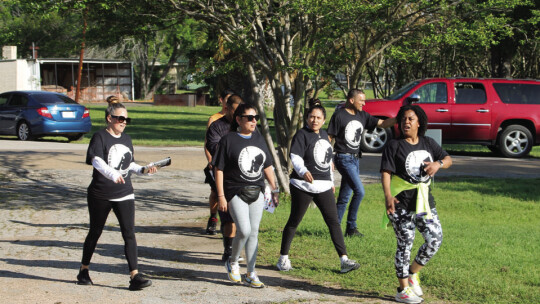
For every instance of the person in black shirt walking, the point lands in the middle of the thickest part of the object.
(242, 161)
(110, 152)
(312, 180)
(346, 127)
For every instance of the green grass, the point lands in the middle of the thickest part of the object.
(489, 253)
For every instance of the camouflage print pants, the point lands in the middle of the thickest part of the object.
(404, 223)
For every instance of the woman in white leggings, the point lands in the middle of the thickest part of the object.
(241, 163)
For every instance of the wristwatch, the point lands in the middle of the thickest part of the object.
(275, 190)
(441, 162)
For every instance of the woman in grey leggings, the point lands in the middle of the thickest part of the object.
(241, 163)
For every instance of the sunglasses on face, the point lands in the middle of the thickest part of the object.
(250, 117)
(121, 119)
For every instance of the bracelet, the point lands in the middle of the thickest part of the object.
(221, 195)
(275, 190)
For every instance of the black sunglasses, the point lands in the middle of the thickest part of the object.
(250, 117)
(121, 119)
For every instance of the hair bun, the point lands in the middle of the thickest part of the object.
(314, 102)
(112, 99)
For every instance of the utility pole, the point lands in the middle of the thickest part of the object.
(79, 72)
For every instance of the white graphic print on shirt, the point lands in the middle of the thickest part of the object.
(353, 134)
(250, 162)
(322, 153)
(414, 164)
(120, 158)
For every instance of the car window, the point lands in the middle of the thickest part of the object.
(3, 99)
(432, 93)
(470, 93)
(18, 101)
(518, 93)
(400, 92)
(53, 98)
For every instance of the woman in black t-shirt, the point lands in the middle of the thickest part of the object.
(407, 166)
(242, 161)
(110, 152)
(312, 180)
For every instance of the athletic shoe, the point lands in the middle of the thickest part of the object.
(253, 280)
(284, 264)
(353, 232)
(407, 295)
(83, 278)
(349, 265)
(414, 282)
(139, 282)
(211, 226)
(233, 271)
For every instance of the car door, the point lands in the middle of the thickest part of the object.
(11, 114)
(471, 112)
(434, 101)
(4, 98)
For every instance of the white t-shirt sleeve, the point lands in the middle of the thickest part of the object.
(298, 165)
(105, 169)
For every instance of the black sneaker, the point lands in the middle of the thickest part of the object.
(211, 226)
(83, 278)
(139, 282)
(353, 232)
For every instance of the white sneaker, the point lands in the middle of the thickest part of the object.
(407, 295)
(349, 265)
(233, 271)
(252, 280)
(414, 283)
(284, 264)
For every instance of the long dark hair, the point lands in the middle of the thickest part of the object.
(240, 110)
(422, 118)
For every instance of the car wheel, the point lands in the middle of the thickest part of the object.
(23, 131)
(515, 141)
(375, 141)
(75, 137)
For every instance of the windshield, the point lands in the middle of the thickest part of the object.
(400, 92)
(52, 98)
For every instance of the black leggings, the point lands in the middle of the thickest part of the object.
(125, 213)
(326, 202)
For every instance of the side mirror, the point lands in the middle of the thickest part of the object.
(413, 98)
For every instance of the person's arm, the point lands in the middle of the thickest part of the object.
(300, 168)
(107, 171)
(387, 123)
(433, 167)
(269, 173)
(222, 201)
(390, 201)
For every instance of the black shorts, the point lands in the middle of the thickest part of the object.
(209, 178)
(225, 217)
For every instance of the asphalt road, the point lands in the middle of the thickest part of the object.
(53, 155)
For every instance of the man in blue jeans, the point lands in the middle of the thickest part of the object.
(346, 127)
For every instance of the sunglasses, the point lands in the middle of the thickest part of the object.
(250, 117)
(121, 119)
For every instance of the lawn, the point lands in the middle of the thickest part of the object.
(489, 253)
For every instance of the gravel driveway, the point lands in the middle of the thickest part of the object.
(43, 222)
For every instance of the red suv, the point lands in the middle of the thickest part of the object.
(502, 114)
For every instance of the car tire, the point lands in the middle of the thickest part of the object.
(75, 137)
(23, 131)
(515, 141)
(375, 141)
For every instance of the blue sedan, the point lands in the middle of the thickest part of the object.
(32, 114)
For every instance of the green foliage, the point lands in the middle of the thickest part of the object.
(491, 240)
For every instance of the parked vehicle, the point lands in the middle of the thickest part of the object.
(502, 114)
(32, 114)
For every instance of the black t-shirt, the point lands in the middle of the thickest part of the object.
(215, 132)
(242, 161)
(405, 160)
(316, 151)
(118, 154)
(347, 129)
